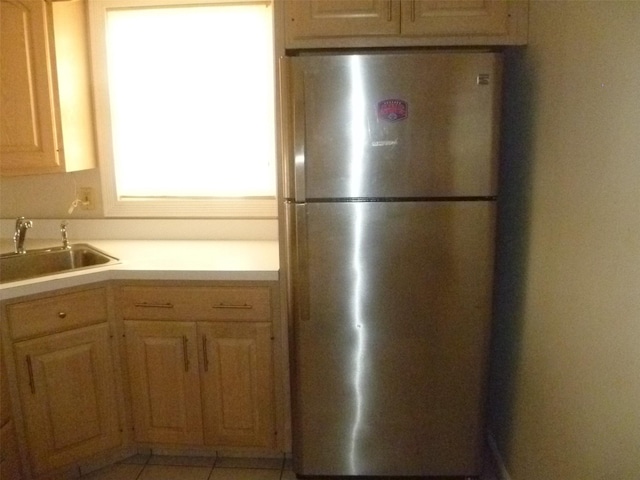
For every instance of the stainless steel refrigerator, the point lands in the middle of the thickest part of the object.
(390, 187)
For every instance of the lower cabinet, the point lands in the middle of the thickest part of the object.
(61, 356)
(237, 384)
(165, 382)
(206, 382)
(198, 365)
(10, 467)
(67, 396)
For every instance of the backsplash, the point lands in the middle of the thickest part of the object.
(148, 229)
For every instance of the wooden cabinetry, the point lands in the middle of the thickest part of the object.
(65, 377)
(387, 23)
(308, 19)
(237, 384)
(46, 124)
(165, 381)
(200, 364)
(10, 466)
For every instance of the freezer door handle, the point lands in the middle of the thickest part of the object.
(299, 134)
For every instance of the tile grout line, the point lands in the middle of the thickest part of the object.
(215, 462)
(281, 467)
(144, 465)
(148, 462)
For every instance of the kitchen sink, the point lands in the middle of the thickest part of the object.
(49, 261)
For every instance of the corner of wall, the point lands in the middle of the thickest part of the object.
(496, 456)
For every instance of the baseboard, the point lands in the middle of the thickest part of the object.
(497, 458)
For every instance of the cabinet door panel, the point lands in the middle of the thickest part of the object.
(455, 17)
(28, 136)
(46, 124)
(163, 370)
(327, 18)
(70, 386)
(67, 389)
(237, 384)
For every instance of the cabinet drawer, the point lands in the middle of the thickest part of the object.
(57, 313)
(196, 303)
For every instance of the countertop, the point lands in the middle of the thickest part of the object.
(159, 260)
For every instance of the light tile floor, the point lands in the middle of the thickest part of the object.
(156, 467)
(152, 467)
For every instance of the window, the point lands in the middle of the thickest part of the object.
(185, 107)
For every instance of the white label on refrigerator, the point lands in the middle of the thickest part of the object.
(384, 143)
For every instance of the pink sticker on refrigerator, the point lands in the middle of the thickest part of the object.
(393, 110)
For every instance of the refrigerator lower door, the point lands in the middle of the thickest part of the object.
(391, 335)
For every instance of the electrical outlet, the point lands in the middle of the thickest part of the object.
(86, 198)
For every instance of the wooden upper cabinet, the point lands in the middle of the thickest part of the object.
(402, 23)
(456, 17)
(340, 18)
(46, 119)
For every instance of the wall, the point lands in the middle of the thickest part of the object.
(48, 196)
(565, 388)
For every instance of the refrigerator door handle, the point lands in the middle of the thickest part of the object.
(301, 282)
(299, 135)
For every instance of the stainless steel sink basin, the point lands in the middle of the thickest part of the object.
(49, 261)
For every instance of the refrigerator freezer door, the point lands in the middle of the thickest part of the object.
(391, 337)
(401, 125)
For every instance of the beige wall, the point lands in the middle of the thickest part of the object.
(48, 196)
(566, 375)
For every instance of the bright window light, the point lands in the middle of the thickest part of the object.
(191, 101)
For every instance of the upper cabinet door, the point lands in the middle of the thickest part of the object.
(307, 19)
(28, 137)
(46, 125)
(455, 17)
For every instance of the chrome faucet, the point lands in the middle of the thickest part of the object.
(21, 232)
(63, 231)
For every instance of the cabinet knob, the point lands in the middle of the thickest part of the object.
(62, 315)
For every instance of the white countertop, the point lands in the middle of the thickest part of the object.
(159, 260)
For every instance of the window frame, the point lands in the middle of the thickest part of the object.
(159, 207)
